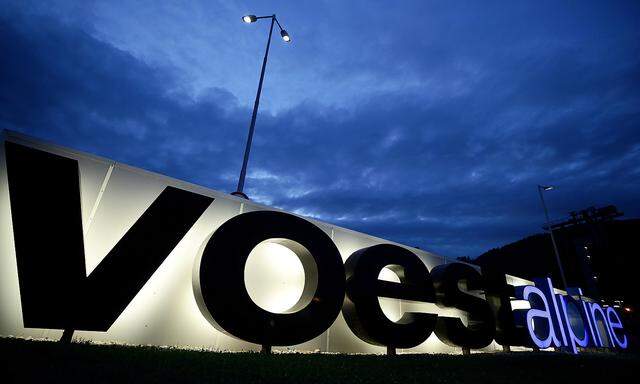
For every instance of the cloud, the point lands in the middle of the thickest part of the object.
(432, 135)
(61, 84)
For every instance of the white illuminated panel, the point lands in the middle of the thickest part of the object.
(274, 277)
(165, 312)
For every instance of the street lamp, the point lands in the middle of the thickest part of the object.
(541, 189)
(285, 36)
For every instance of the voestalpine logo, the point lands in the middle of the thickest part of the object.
(473, 308)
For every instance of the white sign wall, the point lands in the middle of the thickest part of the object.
(165, 312)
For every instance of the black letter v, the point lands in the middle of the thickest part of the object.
(47, 228)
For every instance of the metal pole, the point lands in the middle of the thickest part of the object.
(247, 149)
(553, 239)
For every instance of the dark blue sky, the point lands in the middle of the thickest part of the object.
(427, 123)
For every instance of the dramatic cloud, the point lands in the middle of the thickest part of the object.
(428, 124)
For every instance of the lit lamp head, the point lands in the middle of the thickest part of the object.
(249, 18)
(285, 36)
(547, 187)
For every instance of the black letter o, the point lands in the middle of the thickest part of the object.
(222, 294)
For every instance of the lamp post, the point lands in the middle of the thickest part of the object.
(285, 36)
(541, 189)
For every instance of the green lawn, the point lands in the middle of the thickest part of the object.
(37, 361)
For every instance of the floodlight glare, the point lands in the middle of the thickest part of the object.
(285, 36)
(249, 18)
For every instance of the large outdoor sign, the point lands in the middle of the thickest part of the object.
(123, 255)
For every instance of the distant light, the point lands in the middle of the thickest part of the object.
(547, 187)
(285, 36)
(249, 18)
(595, 277)
(627, 309)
